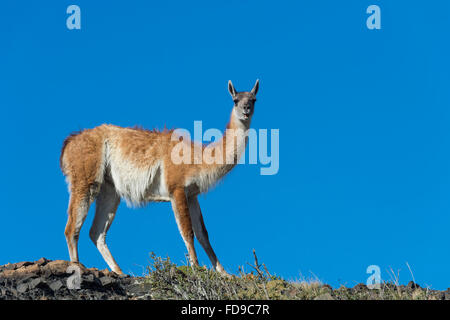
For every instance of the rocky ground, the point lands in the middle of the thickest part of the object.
(48, 280)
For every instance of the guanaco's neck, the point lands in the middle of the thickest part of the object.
(235, 139)
(228, 150)
(220, 156)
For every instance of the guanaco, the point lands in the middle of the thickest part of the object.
(109, 163)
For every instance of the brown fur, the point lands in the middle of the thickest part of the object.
(181, 210)
(65, 143)
(83, 162)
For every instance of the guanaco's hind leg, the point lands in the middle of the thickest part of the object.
(78, 208)
(181, 210)
(202, 234)
(105, 211)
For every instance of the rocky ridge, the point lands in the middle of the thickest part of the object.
(61, 280)
(48, 280)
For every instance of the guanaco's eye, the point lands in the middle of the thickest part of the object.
(235, 101)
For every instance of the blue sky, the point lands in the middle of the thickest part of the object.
(363, 116)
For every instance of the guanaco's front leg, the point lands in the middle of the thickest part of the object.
(181, 210)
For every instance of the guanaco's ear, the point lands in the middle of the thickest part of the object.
(255, 88)
(231, 88)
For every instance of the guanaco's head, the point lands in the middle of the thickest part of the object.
(244, 102)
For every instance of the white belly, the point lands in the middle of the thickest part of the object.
(139, 185)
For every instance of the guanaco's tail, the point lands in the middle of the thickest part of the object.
(63, 149)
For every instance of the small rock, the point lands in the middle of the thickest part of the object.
(35, 283)
(26, 277)
(90, 282)
(56, 285)
(21, 288)
(56, 267)
(22, 264)
(106, 281)
(138, 289)
(60, 268)
(42, 261)
(89, 278)
(26, 270)
(95, 272)
(108, 273)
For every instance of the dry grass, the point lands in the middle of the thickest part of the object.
(165, 280)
